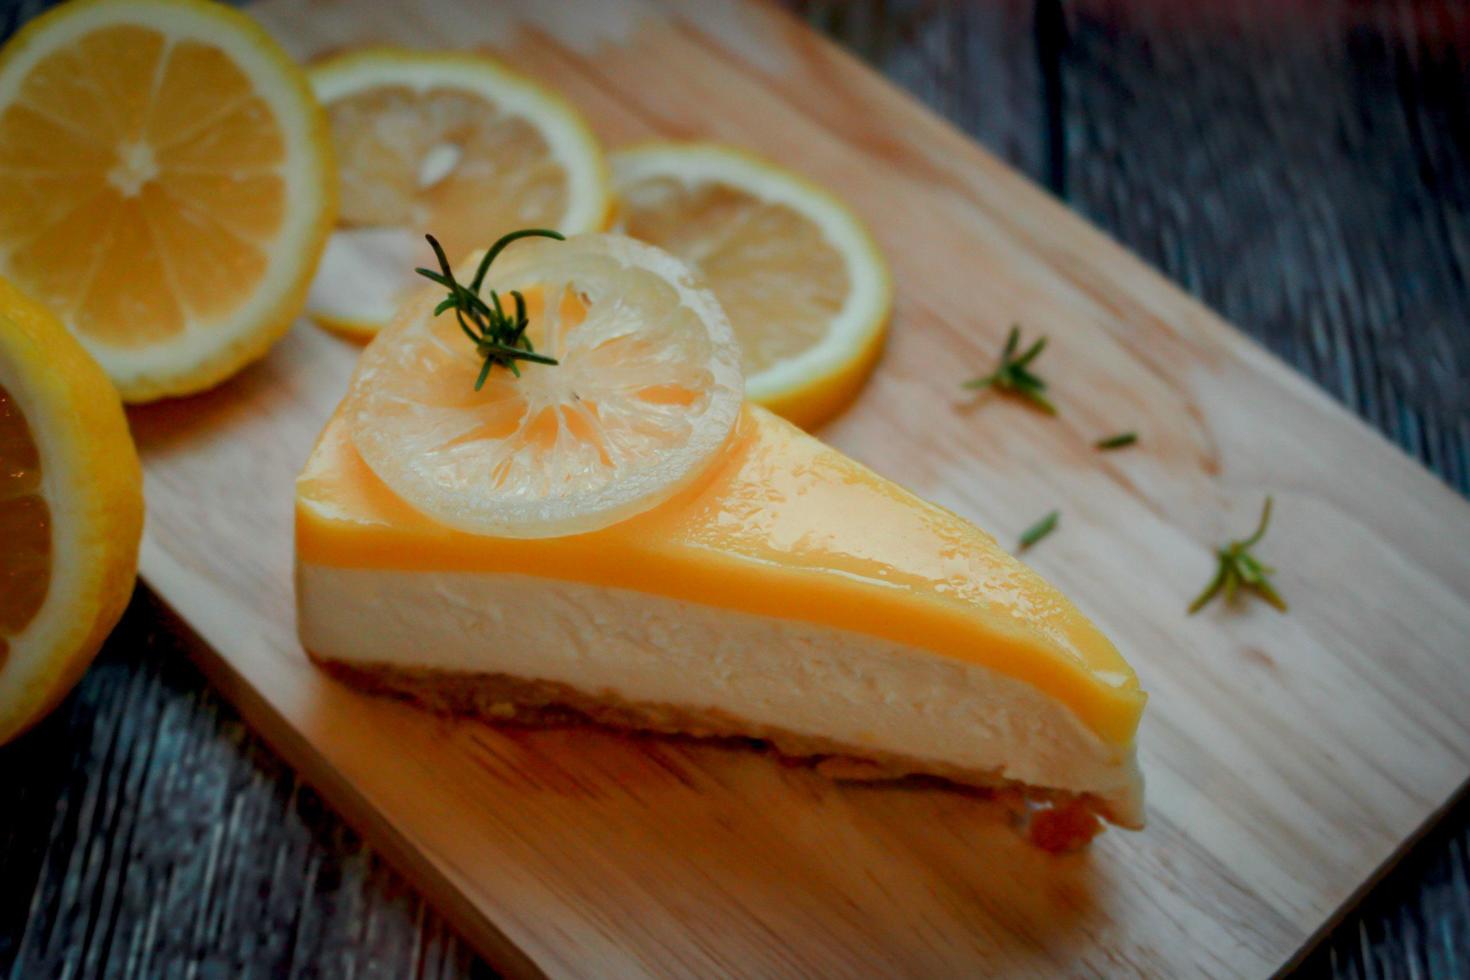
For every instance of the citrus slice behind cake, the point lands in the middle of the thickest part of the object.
(71, 510)
(450, 143)
(167, 185)
(802, 281)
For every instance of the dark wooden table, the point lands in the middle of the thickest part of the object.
(1303, 167)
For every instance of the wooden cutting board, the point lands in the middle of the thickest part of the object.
(1287, 757)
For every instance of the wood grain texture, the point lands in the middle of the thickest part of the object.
(307, 952)
(1314, 143)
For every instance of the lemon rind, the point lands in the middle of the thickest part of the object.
(93, 484)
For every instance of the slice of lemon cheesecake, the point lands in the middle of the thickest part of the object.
(616, 536)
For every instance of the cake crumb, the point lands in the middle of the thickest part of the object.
(1064, 828)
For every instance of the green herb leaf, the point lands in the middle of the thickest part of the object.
(1117, 442)
(499, 338)
(1039, 530)
(1013, 375)
(1239, 570)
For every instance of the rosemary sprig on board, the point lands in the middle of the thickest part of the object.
(1013, 375)
(1039, 530)
(499, 337)
(1116, 442)
(1239, 569)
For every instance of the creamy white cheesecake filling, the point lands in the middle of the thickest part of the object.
(806, 679)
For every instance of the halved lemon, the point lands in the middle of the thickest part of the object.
(71, 510)
(167, 185)
(451, 144)
(800, 277)
(646, 391)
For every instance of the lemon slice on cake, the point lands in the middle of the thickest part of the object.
(452, 143)
(645, 390)
(71, 510)
(804, 285)
(167, 185)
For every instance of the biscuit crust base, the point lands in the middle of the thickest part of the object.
(1055, 819)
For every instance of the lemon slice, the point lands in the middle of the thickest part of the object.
(647, 390)
(71, 510)
(801, 279)
(167, 185)
(451, 144)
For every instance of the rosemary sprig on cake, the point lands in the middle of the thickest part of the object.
(499, 337)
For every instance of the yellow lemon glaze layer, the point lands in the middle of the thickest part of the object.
(781, 525)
